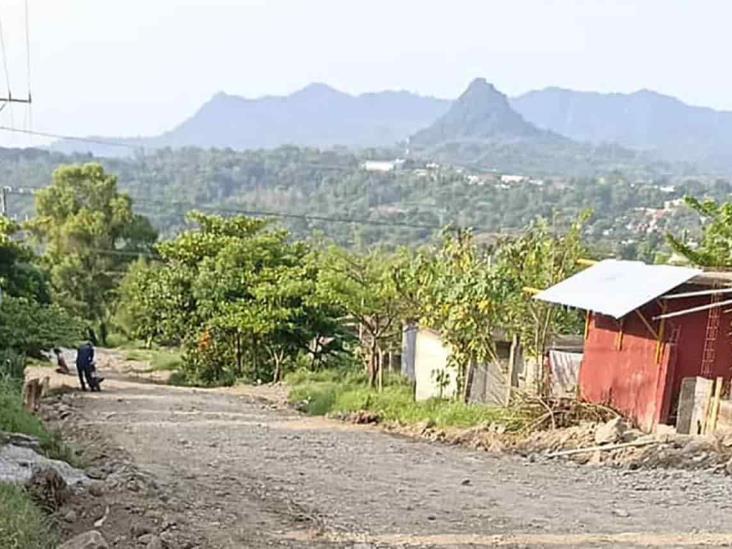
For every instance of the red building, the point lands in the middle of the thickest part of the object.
(648, 327)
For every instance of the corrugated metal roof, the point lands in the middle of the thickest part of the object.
(615, 288)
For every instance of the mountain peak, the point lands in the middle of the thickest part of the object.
(318, 89)
(480, 85)
(480, 113)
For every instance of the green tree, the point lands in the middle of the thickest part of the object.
(19, 276)
(363, 287)
(90, 234)
(459, 293)
(28, 327)
(539, 258)
(236, 293)
(715, 248)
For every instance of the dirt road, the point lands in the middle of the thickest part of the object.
(235, 471)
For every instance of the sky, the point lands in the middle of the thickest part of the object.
(139, 67)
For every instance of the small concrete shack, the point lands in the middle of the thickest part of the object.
(425, 358)
(648, 327)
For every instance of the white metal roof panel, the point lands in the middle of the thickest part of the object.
(615, 288)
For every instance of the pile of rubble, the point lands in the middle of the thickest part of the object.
(616, 444)
(613, 443)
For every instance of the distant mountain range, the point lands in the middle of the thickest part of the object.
(644, 122)
(316, 116)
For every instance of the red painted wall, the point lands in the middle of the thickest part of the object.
(630, 378)
(626, 378)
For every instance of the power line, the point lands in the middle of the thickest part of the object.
(27, 51)
(70, 137)
(286, 215)
(266, 213)
(5, 58)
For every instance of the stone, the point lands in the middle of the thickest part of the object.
(96, 489)
(610, 432)
(139, 529)
(154, 543)
(728, 467)
(693, 397)
(621, 513)
(698, 445)
(21, 440)
(726, 440)
(632, 435)
(70, 516)
(87, 540)
(18, 462)
(47, 488)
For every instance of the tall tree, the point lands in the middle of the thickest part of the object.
(90, 234)
(363, 287)
(539, 258)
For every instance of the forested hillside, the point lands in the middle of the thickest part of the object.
(329, 192)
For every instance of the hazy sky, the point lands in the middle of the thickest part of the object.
(136, 67)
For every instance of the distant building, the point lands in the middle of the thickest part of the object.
(513, 179)
(382, 166)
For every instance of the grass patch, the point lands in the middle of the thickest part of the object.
(344, 392)
(14, 418)
(159, 358)
(22, 524)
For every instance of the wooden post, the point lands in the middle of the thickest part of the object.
(511, 368)
(587, 324)
(714, 411)
(619, 338)
(659, 341)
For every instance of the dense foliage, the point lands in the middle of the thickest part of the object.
(237, 294)
(715, 248)
(89, 233)
(28, 322)
(406, 206)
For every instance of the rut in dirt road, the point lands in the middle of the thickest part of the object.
(253, 475)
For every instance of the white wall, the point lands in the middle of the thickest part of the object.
(431, 357)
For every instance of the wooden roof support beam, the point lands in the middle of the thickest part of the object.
(654, 333)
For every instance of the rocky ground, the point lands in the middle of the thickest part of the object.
(179, 467)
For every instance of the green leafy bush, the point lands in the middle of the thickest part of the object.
(29, 327)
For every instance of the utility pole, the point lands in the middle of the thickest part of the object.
(4, 201)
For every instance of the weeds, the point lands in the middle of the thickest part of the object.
(14, 418)
(337, 392)
(22, 524)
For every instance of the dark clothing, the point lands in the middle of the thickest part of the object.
(84, 365)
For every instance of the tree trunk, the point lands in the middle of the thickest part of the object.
(279, 373)
(380, 366)
(373, 366)
(467, 381)
(238, 354)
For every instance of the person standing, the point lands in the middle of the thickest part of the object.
(84, 366)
